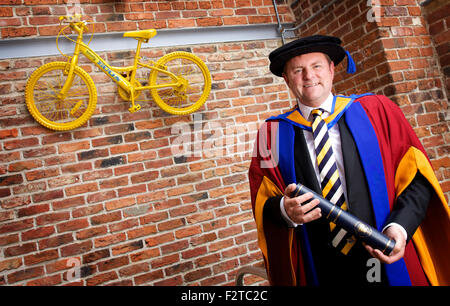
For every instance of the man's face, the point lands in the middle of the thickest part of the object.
(310, 77)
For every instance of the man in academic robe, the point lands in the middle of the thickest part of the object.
(378, 164)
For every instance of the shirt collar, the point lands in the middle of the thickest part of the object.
(327, 105)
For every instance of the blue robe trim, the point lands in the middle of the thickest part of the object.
(370, 154)
(285, 145)
(285, 116)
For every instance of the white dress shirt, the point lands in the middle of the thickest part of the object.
(335, 138)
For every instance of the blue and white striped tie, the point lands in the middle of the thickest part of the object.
(331, 185)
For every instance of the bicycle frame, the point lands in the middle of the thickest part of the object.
(112, 71)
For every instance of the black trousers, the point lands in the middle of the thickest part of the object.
(357, 268)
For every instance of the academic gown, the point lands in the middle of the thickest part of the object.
(373, 132)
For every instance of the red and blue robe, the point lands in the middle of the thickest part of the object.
(391, 156)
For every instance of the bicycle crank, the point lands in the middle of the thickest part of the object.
(180, 90)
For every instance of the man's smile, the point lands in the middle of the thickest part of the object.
(310, 85)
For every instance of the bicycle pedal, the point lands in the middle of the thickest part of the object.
(134, 108)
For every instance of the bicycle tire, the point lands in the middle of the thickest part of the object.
(41, 92)
(195, 88)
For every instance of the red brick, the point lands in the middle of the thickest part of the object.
(16, 226)
(141, 231)
(6, 12)
(10, 264)
(37, 233)
(132, 190)
(39, 152)
(20, 249)
(98, 279)
(76, 248)
(91, 232)
(22, 143)
(81, 189)
(72, 225)
(39, 174)
(208, 185)
(25, 274)
(73, 146)
(197, 274)
(110, 239)
(208, 22)
(149, 277)
(181, 23)
(48, 195)
(155, 217)
(11, 180)
(131, 270)
(160, 239)
(24, 165)
(128, 247)
(55, 241)
(164, 261)
(9, 133)
(188, 231)
(71, 202)
(112, 263)
(105, 218)
(7, 157)
(46, 281)
(144, 177)
(171, 224)
(41, 257)
(18, 32)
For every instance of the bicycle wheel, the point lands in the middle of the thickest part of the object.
(42, 90)
(194, 78)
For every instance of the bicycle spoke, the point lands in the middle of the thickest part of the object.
(45, 96)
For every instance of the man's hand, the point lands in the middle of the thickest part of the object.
(399, 250)
(297, 212)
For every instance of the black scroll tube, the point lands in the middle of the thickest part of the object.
(350, 223)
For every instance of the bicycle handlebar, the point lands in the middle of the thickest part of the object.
(71, 18)
(75, 19)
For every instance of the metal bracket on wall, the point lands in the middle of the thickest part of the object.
(426, 2)
(114, 41)
(283, 31)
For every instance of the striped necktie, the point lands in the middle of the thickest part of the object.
(331, 185)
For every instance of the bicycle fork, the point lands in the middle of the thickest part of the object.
(68, 83)
(70, 71)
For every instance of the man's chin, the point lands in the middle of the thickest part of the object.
(312, 101)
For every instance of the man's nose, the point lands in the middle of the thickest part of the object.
(307, 74)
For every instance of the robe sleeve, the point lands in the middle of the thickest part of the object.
(404, 158)
(266, 183)
(411, 206)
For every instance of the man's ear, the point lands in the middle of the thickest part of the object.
(332, 68)
(286, 79)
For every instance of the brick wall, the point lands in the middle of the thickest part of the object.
(395, 56)
(118, 202)
(437, 14)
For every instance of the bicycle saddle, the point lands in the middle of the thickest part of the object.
(142, 34)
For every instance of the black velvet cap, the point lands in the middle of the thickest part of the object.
(329, 45)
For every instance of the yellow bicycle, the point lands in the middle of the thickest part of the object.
(62, 96)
